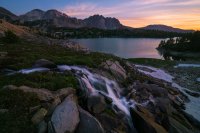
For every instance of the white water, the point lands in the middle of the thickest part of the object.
(193, 107)
(187, 65)
(112, 88)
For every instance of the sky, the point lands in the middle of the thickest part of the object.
(183, 14)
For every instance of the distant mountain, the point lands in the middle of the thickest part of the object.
(33, 15)
(7, 15)
(52, 17)
(59, 19)
(101, 22)
(166, 28)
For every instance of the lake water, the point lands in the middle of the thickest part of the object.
(124, 47)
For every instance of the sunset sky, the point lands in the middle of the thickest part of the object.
(183, 14)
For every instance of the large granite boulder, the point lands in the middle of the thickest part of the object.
(44, 63)
(88, 123)
(96, 103)
(65, 118)
(116, 69)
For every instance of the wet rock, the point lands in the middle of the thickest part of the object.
(39, 116)
(144, 121)
(42, 127)
(65, 118)
(96, 103)
(88, 123)
(115, 68)
(2, 111)
(44, 63)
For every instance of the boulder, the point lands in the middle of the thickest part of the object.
(39, 116)
(65, 118)
(43, 94)
(115, 68)
(96, 103)
(44, 63)
(144, 121)
(88, 123)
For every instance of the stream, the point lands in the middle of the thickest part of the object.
(95, 84)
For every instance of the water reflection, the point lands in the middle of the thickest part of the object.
(124, 47)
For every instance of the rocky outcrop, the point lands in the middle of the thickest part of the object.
(101, 22)
(115, 68)
(43, 94)
(88, 123)
(65, 118)
(44, 63)
(144, 121)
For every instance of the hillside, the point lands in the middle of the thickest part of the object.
(166, 28)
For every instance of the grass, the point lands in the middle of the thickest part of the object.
(17, 119)
(24, 54)
(153, 62)
(49, 80)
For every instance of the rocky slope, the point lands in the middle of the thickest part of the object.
(5, 14)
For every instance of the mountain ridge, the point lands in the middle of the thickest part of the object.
(56, 18)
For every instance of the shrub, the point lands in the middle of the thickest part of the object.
(10, 37)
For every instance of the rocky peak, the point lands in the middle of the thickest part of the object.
(33, 15)
(51, 14)
(99, 21)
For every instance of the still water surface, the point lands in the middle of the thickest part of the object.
(124, 47)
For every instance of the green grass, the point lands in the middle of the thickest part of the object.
(17, 119)
(24, 54)
(153, 62)
(49, 80)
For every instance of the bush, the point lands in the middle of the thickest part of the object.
(10, 37)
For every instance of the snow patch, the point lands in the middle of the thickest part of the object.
(187, 65)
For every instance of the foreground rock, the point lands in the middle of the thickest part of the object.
(115, 68)
(43, 94)
(145, 123)
(65, 118)
(44, 63)
(88, 123)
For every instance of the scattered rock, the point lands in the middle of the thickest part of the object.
(39, 116)
(44, 63)
(88, 123)
(65, 118)
(96, 103)
(2, 111)
(42, 127)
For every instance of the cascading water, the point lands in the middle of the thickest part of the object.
(99, 84)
